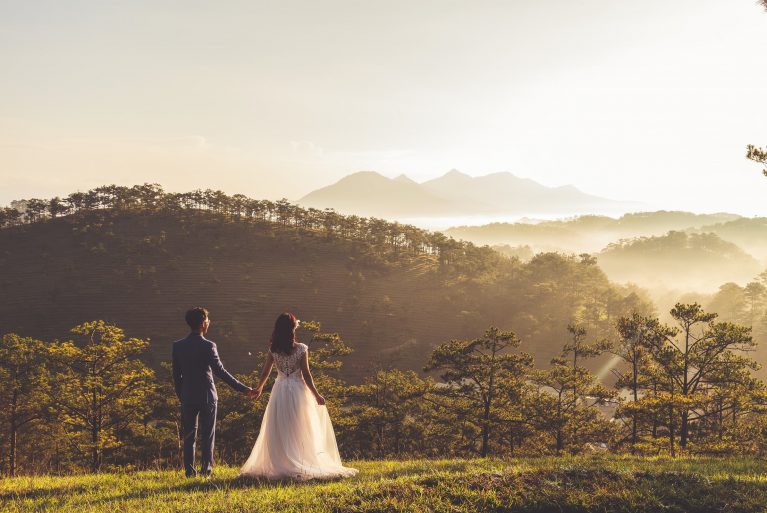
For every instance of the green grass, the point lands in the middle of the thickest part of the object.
(529, 485)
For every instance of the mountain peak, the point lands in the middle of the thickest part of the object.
(452, 178)
(364, 175)
(454, 173)
(371, 193)
(404, 179)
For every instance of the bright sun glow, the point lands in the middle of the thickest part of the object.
(652, 101)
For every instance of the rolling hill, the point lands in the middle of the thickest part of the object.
(678, 261)
(590, 233)
(672, 251)
(141, 269)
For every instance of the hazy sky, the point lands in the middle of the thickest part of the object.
(652, 100)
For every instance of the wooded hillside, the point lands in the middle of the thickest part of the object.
(139, 257)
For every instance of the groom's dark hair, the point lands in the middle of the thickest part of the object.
(196, 316)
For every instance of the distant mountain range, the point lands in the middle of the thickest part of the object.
(455, 194)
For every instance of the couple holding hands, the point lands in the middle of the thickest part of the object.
(296, 439)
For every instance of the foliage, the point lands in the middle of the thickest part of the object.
(691, 384)
(394, 239)
(485, 377)
(25, 393)
(563, 403)
(746, 305)
(239, 421)
(677, 259)
(638, 334)
(101, 388)
(758, 155)
(389, 415)
(394, 304)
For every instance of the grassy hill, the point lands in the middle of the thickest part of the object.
(142, 270)
(457, 486)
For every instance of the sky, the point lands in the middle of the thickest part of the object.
(651, 101)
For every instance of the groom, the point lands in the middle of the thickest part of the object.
(194, 357)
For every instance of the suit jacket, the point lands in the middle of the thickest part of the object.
(195, 360)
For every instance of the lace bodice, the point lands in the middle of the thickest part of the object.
(290, 364)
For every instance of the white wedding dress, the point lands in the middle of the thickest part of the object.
(296, 440)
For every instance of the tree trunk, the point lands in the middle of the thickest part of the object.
(12, 453)
(683, 430)
(720, 418)
(560, 442)
(685, 390)
(485, 430)
(671, 431)
(488, 403)
(655, 414)
(634, 386)
(633, 433)
(13, 432)
(94, 450)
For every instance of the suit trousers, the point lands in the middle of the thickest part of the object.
(205, 416)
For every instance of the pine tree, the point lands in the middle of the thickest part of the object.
(25, 393)
(481, 373)
(564, 404)
(101, 384)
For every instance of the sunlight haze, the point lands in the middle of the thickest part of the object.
(651, 101)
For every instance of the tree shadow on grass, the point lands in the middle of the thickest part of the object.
(74, 494)
(219, 484)
(417, 470)
(43, 493)
(240, 482)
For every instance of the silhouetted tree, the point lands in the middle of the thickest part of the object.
(36, 210)
(758, 155)
(57, 207)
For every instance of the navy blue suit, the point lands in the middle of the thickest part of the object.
(195, 360)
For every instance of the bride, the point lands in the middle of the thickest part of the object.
(296, 438)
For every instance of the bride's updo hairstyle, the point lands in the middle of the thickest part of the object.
(284, 333)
